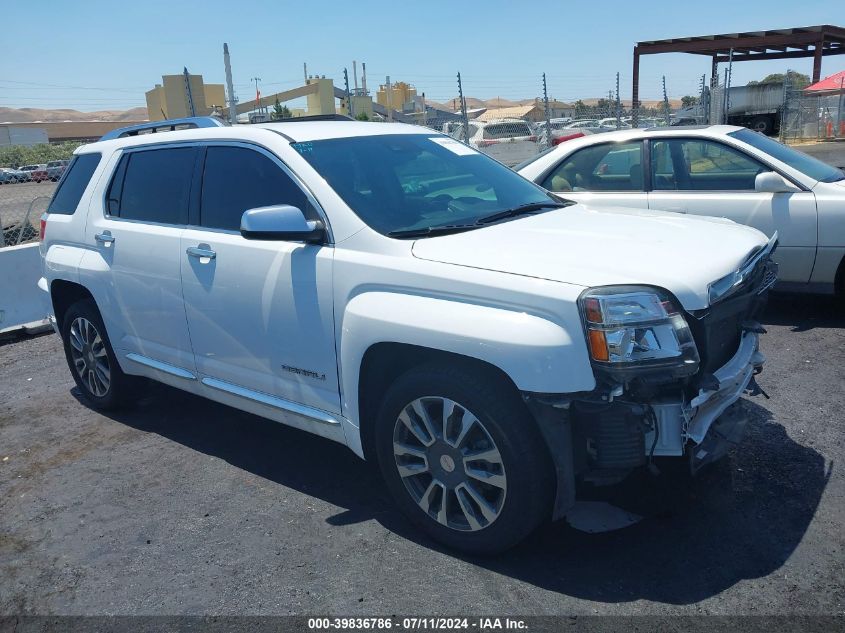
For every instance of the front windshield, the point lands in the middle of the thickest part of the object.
(812, 167)
(403, 182)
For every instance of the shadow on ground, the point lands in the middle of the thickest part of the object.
(742, 519)
(804, 312)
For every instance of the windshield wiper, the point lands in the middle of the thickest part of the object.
(427, 231)
(522, 209)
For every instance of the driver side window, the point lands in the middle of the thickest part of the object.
(236, 179)
(701, 165)
(605, 167)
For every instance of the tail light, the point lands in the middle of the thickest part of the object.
(43, 229)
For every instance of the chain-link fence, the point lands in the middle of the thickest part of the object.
(812, 116)
(21, 206)
(514, 131)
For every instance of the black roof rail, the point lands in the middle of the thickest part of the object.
(168, 125)
(313, 117)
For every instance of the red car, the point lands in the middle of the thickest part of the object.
(35, 173)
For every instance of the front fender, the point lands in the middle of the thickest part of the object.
(536, 353)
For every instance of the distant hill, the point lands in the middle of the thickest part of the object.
(31, 115)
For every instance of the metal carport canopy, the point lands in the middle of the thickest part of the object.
(807, 41)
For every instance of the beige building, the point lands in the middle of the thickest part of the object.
(169, 99)
(401, 93)
(321, 101)
(531, 112)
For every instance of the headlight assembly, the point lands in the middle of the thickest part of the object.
(631, 328)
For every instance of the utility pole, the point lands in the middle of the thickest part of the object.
(389, 99)
(728, 77)
(464, 119)
(784, 115)
(305, 71)
(665, 101)
(348, 99)
(548, 118)
(257, 95)
(618, 105)
(364, 79)
(702, 98)
(233, 112)
(425, 113)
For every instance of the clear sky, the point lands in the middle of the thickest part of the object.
(103, 54)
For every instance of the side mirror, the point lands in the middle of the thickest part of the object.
(770, 182)
(281, 222)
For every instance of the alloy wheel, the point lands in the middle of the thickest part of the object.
(449, 463)
(90, 359)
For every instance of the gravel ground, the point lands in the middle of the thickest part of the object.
(183, 506)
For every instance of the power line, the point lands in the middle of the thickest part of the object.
(45, 85)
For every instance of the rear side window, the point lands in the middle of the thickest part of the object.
(153, 185)
(236, 179)
(72, 186)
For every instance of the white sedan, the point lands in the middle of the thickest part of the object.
(722, 171)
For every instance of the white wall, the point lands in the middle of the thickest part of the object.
(21, 301)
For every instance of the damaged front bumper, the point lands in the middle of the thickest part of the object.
(678, 421)
(602, 440)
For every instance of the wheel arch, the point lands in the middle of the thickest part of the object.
(64, 294)
(536, 353)
(384, 362)
(839, 279)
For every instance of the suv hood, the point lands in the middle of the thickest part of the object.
(589, 247)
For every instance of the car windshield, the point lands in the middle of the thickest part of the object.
(812, 167)
(409, 182)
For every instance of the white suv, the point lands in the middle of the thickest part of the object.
(394, 290)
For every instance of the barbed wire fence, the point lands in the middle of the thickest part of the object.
(513, 131)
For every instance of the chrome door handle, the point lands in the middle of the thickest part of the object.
(201, 251)
(105, 238)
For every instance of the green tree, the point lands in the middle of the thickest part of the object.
(796, 80)
(362, 116)
(688, 101)
(17, 155)
(280, 111)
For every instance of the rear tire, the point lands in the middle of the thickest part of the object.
(473, 473)
(91, 359)
(762, 124)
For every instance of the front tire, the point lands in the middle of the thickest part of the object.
(463, 458)
(91, 359)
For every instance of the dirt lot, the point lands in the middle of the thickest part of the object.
(182, 506)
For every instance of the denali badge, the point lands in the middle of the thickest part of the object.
(304, 372)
